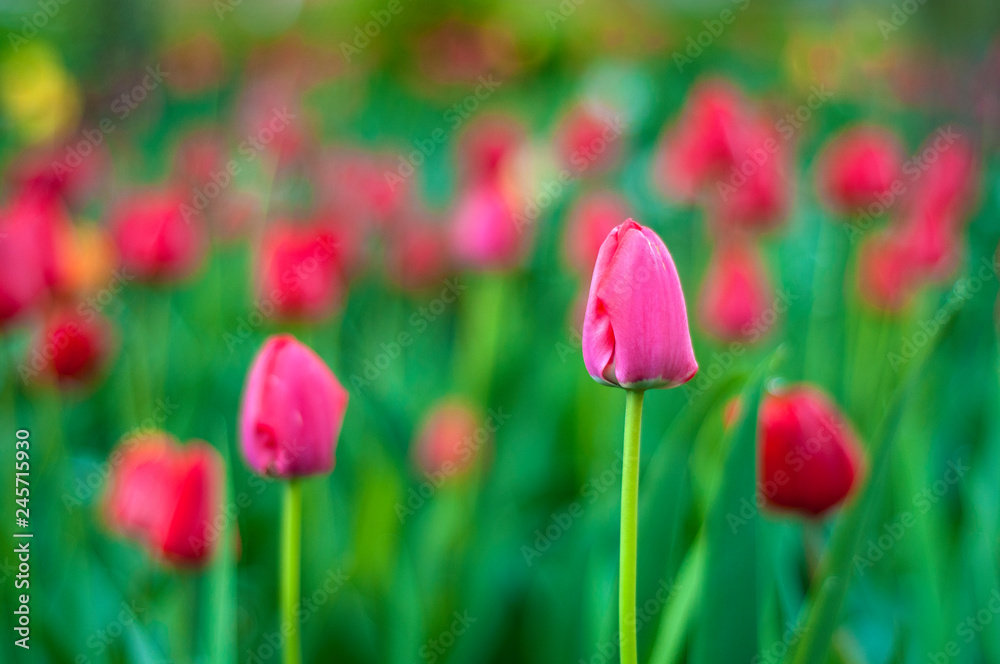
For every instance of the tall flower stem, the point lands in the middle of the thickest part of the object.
(291, 549)
(629, 528)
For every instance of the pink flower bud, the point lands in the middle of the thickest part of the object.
(292, 410)
(446, 443)
(886, 278)
(635, 330)
(298, 271)
(588, 140)
(736, 294)
(156, 239)
(22, 270)
(484, 230)
(858, 168)
(810, 457)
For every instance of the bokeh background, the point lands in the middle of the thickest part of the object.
(383, 128)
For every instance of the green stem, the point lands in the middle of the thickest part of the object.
(291, 549)
(629, 529)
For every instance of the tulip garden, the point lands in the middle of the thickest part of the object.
(559, 332)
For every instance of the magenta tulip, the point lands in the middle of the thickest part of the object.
(292, 411)
(635, 330)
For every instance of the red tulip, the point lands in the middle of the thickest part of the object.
(368, 188)
(299, 271)
(160, 238)
(72, 347)
(22, 266)
(886, 277)
(487, 145)
(635, 333)
(858, 167)
(704, 141)
(948, 169)
(484, 231)
(810, 457)
(736, 294)
(447, 442)
(754, 194)
(587, 141)
(591, 219)
(292, 410)
(167, 496)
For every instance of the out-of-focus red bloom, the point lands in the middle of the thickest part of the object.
(447, 443)
(298, 271)
(292, 410)
(886, 278)
(590, 220)
(932, 243)
(61, 172)
(487, 145)
(484, 229)
(736, 294)
(588, 141)
(365, 186)
(416, 254)
(858, 168)
(166, 496)
(201, 157)
(22, 263)
(160, 237)
(946, 174)
(810, 459)
(754, 194)
(271, 120)
(72, 347)
(704, 141)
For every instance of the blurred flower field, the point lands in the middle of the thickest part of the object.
(330, 332)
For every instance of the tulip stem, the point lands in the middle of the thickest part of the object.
(629, 528)
(291, 549)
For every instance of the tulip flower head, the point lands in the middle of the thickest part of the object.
(155, 240)
(299, 271)
(736, 294)
(72, 347)
(484, 231)
(167, 496)
(447, 444)
(22, 273)
(588, 140)
(858, 168)
(635, 329)
(810, 458)
(292, 410)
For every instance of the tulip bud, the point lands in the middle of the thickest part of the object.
(73, 347)
(635, 330)
(158, 239)
(735, 295)
(292, 410)
(810, 457)
(858, 168)
(484, 231)
(587, 141)
(886, 277)
(589, 222)
(167, 497)
(22, 275)
(487, 145)
(447, 444)
(299, 272)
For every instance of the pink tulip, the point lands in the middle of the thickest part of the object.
(484, 231)
(886, 279)
(590, 221)
(446, 444)
(948, 177)
(298, 271)
(487, 146)
(292, 410)
(22, 266)
(635, 331)
(736, 294)
(588, 142)
(858, 168)
(155, 240)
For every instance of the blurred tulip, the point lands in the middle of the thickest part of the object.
(931, 242)
(160, 238)
(487, 145)
(292, 410)
(591, 219)
(272, 122)
(87, 258)
(45, 215)
(885, 276)
(704, 140)
(859, 167)
(754, 194)
(166, 496)
(736, 294)
(22, 266)
(446, 444)
(417, 255)
(635, 333)
(72, 347)
(484, 230)
(946, 174)
(201, 156)
(810, 457)
(61, 172)
(298, 271)
(588, 141)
